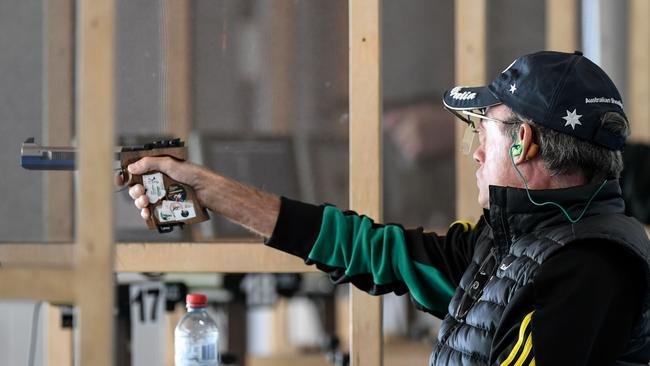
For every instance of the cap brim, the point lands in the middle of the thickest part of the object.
(462, 98)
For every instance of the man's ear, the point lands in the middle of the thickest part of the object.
(528, 149)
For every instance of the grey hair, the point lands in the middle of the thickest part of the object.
(564, 154)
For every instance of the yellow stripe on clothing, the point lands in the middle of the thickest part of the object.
(522, 335)
(527, 348)
(467, 226)
(532, 363)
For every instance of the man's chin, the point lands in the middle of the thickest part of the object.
(484, 202)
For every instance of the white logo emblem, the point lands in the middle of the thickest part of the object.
(604, 100)
(458, 95)
(513, 88)
(572, 119)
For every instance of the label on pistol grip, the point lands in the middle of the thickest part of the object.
(154, 187)
(174, 211)
(176, 193)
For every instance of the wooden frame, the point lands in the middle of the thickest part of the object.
(177, 60)
(78, 273)
(639, 70)
(92, 272)
(562, 25)
(94, 235)
(58, 102)
(365, 164)
(470, 53)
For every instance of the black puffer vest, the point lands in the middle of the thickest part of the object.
(516, 238)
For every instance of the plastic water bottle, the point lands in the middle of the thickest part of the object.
(196, 338)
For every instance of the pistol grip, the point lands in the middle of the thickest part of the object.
(171, 203)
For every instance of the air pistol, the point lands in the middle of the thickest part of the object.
(171, 203)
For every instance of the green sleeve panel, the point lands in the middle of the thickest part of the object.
(357, 245)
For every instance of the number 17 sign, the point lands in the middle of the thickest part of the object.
(148, 325)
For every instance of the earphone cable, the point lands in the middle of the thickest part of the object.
(530, 198)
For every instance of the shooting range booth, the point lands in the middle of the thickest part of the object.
(319, 63)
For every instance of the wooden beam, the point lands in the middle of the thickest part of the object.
(49, 284)
(94, 232)
(365, 163)
(223, 257)
(562, 25)
(205, 257)
(638, 108)
(471, 63)
(58, 115)
(36, 254)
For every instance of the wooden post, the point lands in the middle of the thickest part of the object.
(365, 163)
(220, 257)
(562, 25)
(58, 115)
(94, 232)
(638, 108)
(59, 340)
(470, 55)
(58, 104)
(178, 67)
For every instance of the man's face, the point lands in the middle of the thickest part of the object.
(492, 154)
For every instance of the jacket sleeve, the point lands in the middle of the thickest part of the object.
(376, 258)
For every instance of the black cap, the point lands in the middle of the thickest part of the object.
(563, 91)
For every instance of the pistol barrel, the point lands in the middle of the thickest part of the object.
(37, 157)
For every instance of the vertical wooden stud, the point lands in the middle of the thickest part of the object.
(365, 163)
(178, 60)
(470, 56)
(58, 104)
(94, 232)
(562, 25)
(638, 108)
(59, 339)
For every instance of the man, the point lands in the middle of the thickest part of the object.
(553, 273)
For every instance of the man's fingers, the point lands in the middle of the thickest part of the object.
(141, 202)
(150, 163)
(144, 213)
(119, 180)
(136, 191)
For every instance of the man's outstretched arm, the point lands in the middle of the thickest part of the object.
(249, 207)
(350, 247)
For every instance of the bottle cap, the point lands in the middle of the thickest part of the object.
(196, 300)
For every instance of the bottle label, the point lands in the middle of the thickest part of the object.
(191, 352)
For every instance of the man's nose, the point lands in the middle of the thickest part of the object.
(477, 155)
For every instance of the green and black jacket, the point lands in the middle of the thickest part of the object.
(541, 301)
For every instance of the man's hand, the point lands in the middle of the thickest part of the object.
(182, 172)
(244, 205)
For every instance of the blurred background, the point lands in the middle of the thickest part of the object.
(259, 92)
